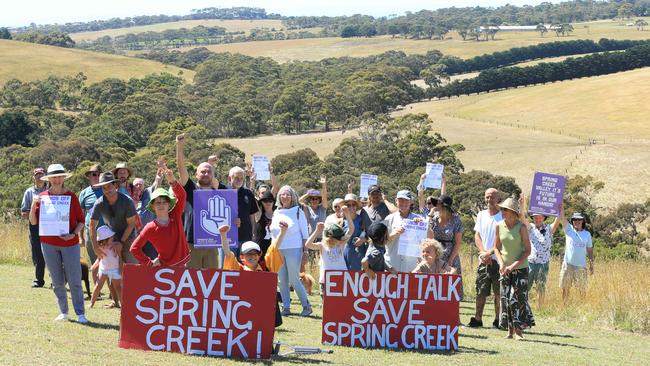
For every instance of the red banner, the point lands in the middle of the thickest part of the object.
(403, 310)
(207, 312)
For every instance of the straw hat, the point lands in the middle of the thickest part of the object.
(55, 170)
(351, 197)
(310, 193)
(122, 165)
(94, 169)
(510, 204)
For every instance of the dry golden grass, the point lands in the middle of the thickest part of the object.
(319, 48)
(230, 25)
(29, 61)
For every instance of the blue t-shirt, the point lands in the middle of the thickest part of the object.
(87, 199)
(577, 242)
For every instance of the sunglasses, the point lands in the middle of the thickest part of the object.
(93, 174)
(337, 207)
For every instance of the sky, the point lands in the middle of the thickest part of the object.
(20, 13)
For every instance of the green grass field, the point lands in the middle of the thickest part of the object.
(319, 48)
(29, 61)
(230, 25)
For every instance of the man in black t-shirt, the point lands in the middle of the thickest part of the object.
(246, 207)
(199, 257)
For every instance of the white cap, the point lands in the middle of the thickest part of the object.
(248, 246)
(104, 232)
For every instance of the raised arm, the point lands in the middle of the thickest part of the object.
(391, 207)
(275, 187)
(350, 220)
(223, 232)
(323, 183)
(522, 210)
(310, 242)
(351, 184)
(443, 187)
(183, 175)
(421, 198)
(556, 222)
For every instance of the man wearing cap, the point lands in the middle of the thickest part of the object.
(487, 274)
(577, 249)
(378, 208)
(118, 212)
(87, 198)
(199, 257)
(37, 187)
(246, 206)
(395, 224)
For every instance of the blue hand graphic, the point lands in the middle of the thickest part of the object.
(218, 214)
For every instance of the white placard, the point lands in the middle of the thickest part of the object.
(366, 181)
(433, 177)
(54, 216)
(409, 241)
(261, 167)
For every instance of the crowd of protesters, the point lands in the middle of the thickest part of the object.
(119, 220)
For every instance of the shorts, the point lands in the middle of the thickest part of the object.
(201, 258)
(487, 279)
(112, 274)
(537, 272)
(570, 275)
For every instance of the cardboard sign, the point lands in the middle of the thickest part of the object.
(54, 216)
(365, 182)
(403, 310)
(433, 177)
(261, 167)
(212, 209)
(202, 312)
(547, 195)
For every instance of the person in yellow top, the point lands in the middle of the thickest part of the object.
(512, 248)
(250, 255)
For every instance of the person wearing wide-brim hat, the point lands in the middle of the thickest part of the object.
(165, 232)
(512, 248)
(316, 203)
(122, 173)
(578, 248)
(87, 198)
(61, 249)
(357, 245)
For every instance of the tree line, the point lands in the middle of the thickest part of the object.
(571, 68)
(454, 65)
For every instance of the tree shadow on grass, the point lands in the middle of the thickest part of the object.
(102, 325)
(464, 349)
(555, 343)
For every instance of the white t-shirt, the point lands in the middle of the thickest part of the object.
(485, 226)
(577, 242)
(331, 259)
(297, 232)
(401, 263)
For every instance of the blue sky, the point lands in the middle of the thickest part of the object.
(18, 13)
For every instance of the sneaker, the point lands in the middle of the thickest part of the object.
(306, 311)
(286, 312)
(82, 319)
(37, 285)
(473, 323)
(61, 317)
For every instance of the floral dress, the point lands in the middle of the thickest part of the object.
(445, 235)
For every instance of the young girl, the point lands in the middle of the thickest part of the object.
(109, 267)
(431, 258)
(374, 261)
(332, 246)
(165, 232)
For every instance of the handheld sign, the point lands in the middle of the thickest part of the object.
(402, 310)
(433, 177)
(547, 195)
(54, 216)
(212, 209)
(365, 182)
(201, 312)
(409, 241)
(261, 167)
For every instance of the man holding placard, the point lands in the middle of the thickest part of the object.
(405, 231)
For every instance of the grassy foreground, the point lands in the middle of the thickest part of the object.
(607, 326)
(29, 61)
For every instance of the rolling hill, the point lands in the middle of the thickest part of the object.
(29, 61)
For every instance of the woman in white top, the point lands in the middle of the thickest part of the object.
(292, 247)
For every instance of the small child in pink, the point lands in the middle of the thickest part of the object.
(109, 267)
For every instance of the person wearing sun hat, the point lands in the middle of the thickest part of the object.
(37, 187)
(356, 246)
(165, 232)
(578, 248)
(316, 203)
(62, 253)
(122, 173)
(512, 248)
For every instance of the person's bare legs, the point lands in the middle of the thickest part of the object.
(98, 288)
(117, 288)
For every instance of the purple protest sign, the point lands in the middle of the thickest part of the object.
(547, 195)
(212, 209)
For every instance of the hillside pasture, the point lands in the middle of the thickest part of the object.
(320, 48)
(29, 61)
(230, 25)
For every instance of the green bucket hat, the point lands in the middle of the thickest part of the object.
(161, 192)
(334, 231)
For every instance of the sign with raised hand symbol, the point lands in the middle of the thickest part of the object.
(212, 209)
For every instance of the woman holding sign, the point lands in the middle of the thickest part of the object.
(292, 247)
(512, 248)
(58, 213)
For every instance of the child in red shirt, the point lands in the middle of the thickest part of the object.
(165, 232)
